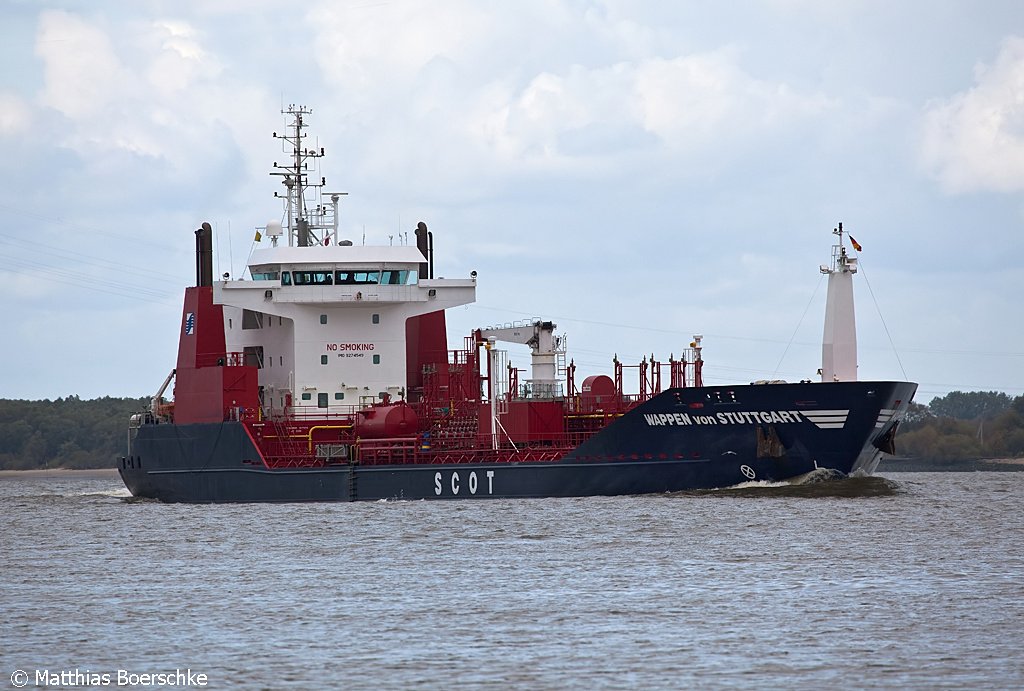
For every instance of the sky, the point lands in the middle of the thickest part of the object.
(637, 172)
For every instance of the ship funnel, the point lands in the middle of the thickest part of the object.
(204, 255)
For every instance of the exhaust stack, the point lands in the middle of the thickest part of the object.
(425, 244)
(204, 255)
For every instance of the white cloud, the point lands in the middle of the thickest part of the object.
(364, 49)
(689, 103)
(181, 61)
(538, 86)
(975, 140)
(150, 97)
(692, 97)
(15, 114)
(83, 73)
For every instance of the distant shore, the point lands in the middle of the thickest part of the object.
(60, 472)
(922, 465)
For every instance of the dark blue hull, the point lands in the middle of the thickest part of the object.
(682, 439)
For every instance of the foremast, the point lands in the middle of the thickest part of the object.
(839, 342)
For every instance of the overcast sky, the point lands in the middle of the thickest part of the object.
(636, 171)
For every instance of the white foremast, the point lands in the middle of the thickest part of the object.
(839, 342)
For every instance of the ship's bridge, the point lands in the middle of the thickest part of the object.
(328, 324)
(338, 274)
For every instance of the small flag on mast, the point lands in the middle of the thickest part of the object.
(260, 237)
(856, 245)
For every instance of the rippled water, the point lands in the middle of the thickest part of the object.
(914, 581)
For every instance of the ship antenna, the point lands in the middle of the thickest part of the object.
(231, 253)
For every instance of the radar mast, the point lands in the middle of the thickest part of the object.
(308, 219)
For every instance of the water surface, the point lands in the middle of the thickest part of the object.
(913, 581)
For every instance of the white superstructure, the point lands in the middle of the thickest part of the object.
(325, 320)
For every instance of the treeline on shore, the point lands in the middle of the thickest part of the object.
(75, 433)
(964, 426)
(65, 433)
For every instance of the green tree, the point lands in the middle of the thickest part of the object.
(917, 414)
(962, 426)
(65, 433)
(970, 405)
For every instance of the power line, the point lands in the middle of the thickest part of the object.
(79, 258)
(716, 336)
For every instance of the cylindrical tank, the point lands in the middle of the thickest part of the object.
(597, 392)
(378, 422)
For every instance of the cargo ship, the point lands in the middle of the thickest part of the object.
(326, 375)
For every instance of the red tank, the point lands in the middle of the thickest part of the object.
(386, 421)
(597, 393)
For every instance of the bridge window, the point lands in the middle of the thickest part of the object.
(357, 277)
(313, 278)
(286, 278)
(265, 276)
(395, 277)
